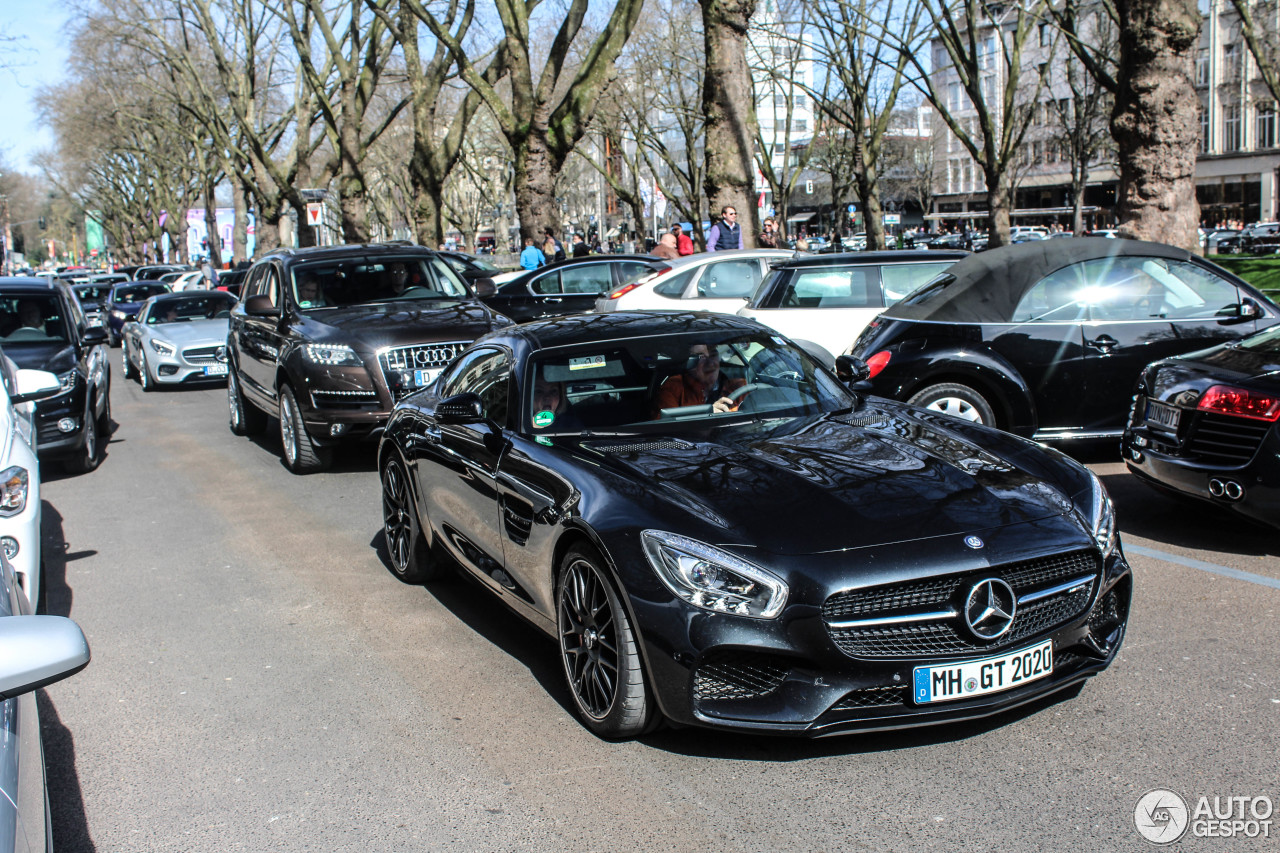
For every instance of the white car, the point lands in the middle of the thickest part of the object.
(20, 472)
(828, 300)
(708, 281)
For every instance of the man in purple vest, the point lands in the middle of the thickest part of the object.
(727, 233)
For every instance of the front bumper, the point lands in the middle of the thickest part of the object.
(188, 365)
(52, 414)
(787, 676)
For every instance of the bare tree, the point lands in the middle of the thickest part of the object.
(978, 89)
(544, 120)
(729, 111)
(1260, 26)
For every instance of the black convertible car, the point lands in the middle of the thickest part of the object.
(1046, 339)
(1204, 425)
(718, 532)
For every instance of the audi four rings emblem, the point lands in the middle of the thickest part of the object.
(989, 609)
(432, 356)
(973, 542)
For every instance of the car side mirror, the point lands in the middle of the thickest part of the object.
(1250, 310)
(260, 306)
(485, 287)
(850, 370)
(465, 408)
(35, 385)
(94, 335)
(39, 650)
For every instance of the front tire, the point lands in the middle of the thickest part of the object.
(301, 454)
(144, 374)
(956, 400)
(243, 417)
(407, 548)
(88, 457)
(126, 366)
(599, 650)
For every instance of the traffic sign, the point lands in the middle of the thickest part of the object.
(315, 211)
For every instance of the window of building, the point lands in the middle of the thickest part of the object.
(801, 101)
(800, 125)
(1231, 62)
(1231, 127)
(1046, 35)
(953, 96)
(987, 53)
(989, 87)
(1202, 67)
(1267, 130)
(1204, 130)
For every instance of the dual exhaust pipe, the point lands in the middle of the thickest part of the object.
(1226, 489)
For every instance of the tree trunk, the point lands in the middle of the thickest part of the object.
(872, 212)
(1079, 180)
(535, 188)
(728, 106)
(240, 226)
(999, 208)
(211, 226)
(427, 211)
(266, 230)
(1155, 122)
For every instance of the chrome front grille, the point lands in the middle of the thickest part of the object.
(204, 355)
(925, 618)
(420, 356)
(344, 399)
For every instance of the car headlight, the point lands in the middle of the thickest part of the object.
(712, 579)
(13, 491)
(67, 380)
(117, 313)
(332, 354)
(162, 348)
(1101, 516)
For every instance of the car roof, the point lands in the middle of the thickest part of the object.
(190, 294)
(27, 284)
(346, 250)
(988, 286)
(864, 258)
(587, 328)
(704, 257)
(585, 259)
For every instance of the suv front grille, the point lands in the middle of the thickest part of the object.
(399, 364)
(904, 635)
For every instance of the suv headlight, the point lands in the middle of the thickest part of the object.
(332, 354)
(13, 491)
(67, 380)
(161, 347)
(712, 579)
(1101, 516)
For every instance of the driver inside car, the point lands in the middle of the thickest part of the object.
(700, 383)
(551, 405)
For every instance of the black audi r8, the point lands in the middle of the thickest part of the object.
(718, 532)
(1204, 425)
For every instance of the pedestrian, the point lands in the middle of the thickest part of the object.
(727, 233)
(666, 247)
(769, 237)
(580, 248)
(556, 250)
(531, 258)
(210, 275)
(684, 243)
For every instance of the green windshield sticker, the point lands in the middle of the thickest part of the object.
(544, 419)
(542, 439)
(586, 363)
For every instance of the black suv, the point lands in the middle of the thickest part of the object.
(328, 339)
(42, 327)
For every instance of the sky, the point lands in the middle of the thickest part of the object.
(36, 56)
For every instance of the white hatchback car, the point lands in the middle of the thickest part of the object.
(20, 472)
(708, 281)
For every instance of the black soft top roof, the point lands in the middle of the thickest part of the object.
(986, 287)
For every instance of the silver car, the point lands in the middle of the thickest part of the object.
(34, 651)
(178, 338)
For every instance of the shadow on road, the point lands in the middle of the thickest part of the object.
(66, 800)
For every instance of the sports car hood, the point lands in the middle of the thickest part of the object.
(195, 332)
(874, 477)
(397, 323)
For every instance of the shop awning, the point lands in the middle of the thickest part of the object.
(802, 217)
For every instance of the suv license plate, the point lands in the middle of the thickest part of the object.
(1163, 415)
(215, 370)
(979, 677)
(423, 378)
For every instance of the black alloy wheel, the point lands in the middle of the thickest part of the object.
(956, 400)
(86, 458)
(243, 417)
(301, 454)
(406, 546)
(599, 650)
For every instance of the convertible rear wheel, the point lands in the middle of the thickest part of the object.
(410, 556)
(301, 454)
(243, 418)
(599, 650)
(959, 401)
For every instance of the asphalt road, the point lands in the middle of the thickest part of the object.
(260, 681)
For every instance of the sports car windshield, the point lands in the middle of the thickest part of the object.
(359, 281)
(675, 382)
(212, 306)
(138, 292)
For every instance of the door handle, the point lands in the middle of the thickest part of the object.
(554, 300)
(1103, 343)
(432, 434)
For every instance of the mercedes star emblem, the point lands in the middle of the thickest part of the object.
(973, 542)
(989, 608)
